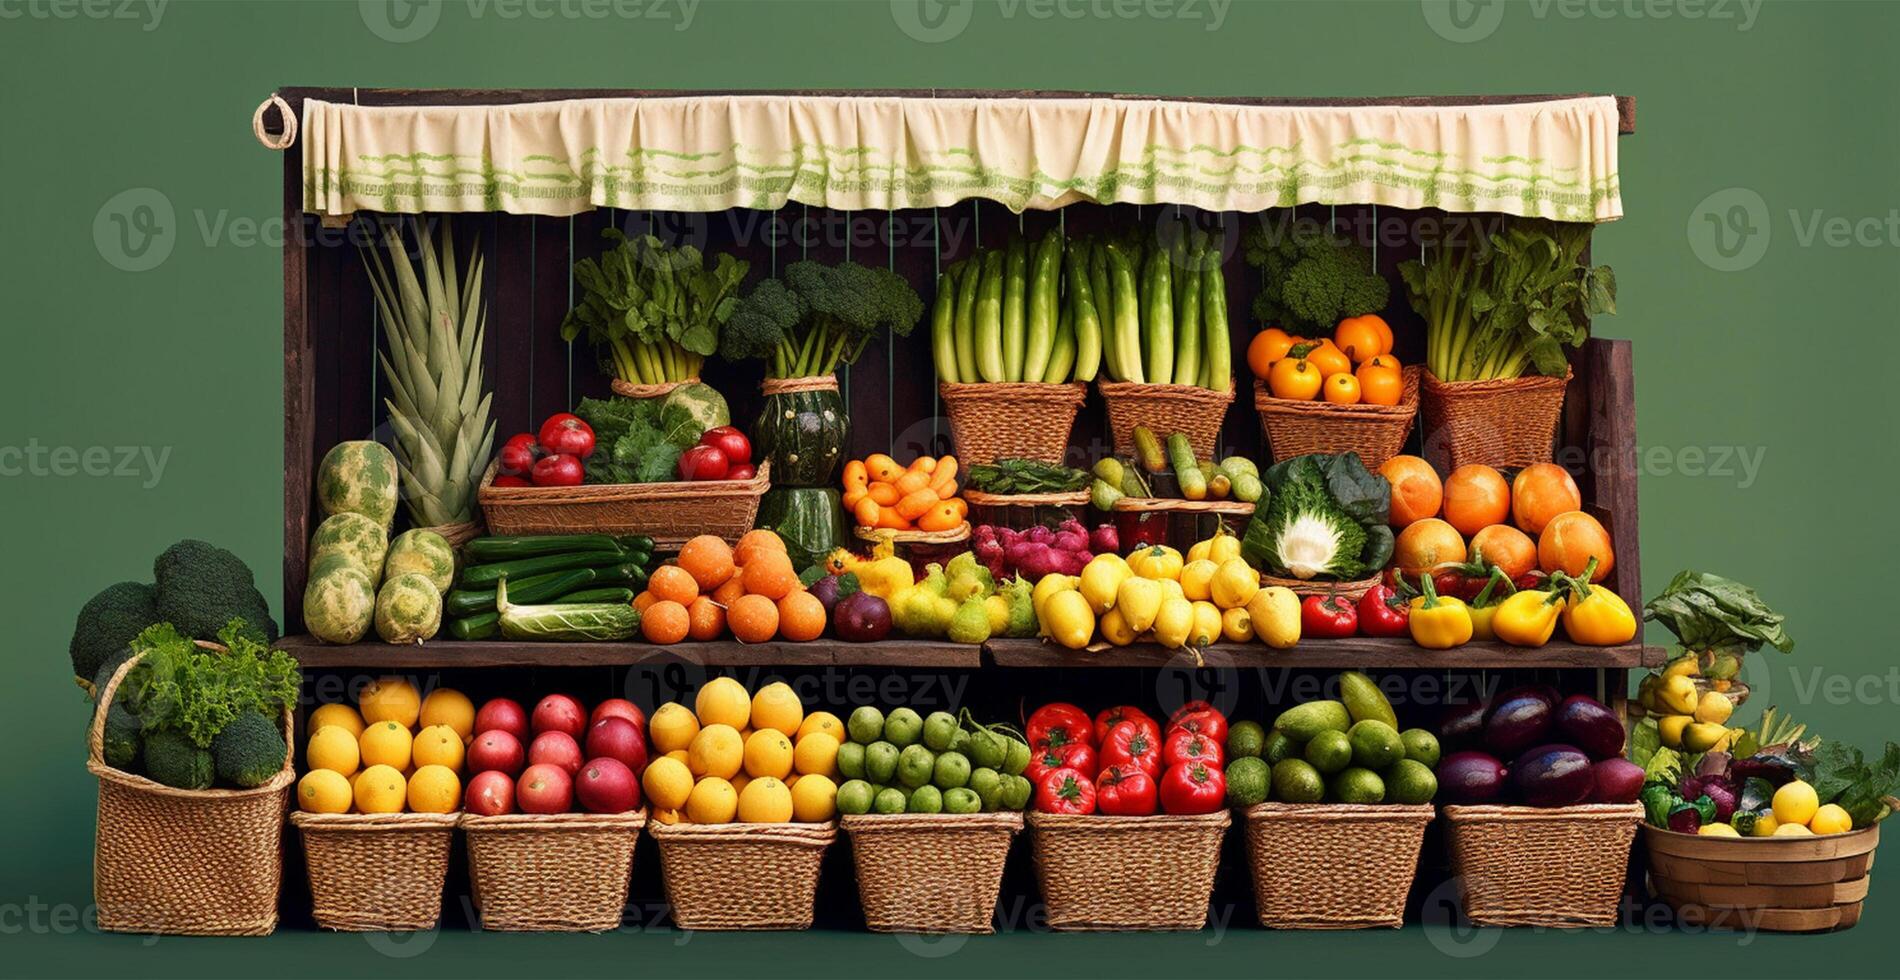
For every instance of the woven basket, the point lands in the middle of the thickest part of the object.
(378, 872)
(1334, 865)
(1531, 866)
(185, 862)
(1376, 432)
(669, 513)
(1782, 884)
(1311, 587)
(1011, 420)
(565, 872)
(1192, 410)
(458, 535)
(930, 873)
(1508, 423)
(627, 389)
(740, 875)
(1127, 873)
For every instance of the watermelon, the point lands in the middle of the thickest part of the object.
(424, 551)
(408, 609)
(690, 410)
(359, 478)
(339, 605)
(354, 536)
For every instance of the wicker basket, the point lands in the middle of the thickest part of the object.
(378, 872)
(1334, 865)
(669, 513)
(1531, 866)
(565, 872)
(460, 534)
(1311, 587)
(930, 873)
(1782, 884)
(1011, 420)
(742, 875)
(1127, 873)
(627, 389)
(1507, 423)
(1166, 409)
(1376, 432)
(1025, 510)
(185, 862)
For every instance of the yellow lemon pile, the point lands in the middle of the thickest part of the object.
(393, 751)
(757, 759)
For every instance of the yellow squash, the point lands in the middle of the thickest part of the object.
(1156, 562)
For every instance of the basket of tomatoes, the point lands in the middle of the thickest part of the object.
(1345, 393)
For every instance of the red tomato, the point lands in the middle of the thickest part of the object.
(729, 441)
(518, 455)
(566, 434)
(1193, 788)
(1328, 617)
(1131, 743)
(559, 471)
(1188, 709)
(1205, 721)
(1108, 717)
(1184, 746)
(1125, 791)
(1065, 791)
(1079, 756)
(703, 463)
(1059, 724)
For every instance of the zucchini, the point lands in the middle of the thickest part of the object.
(520, 568)
(1015, 307)
(597, 621)
(943, 315)
(1148, 450)
(1186, 470)
(480, 626)
(484, 550)
(545, 587)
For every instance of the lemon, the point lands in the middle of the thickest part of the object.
(1765, 825)
(667, 783)
(723, 701)
(712, 801)
(765, 800)
(814, 799)
(777, 706)
(672, 727)
(447, 706)
(716, 751)
(1718, 830)
(437, 745)
(1831, 819)
(1792, 830)
(1795, 803)
(333, 748)
(380, 789)
(816, 755)
(1671, 727)
(385, 743)
(324, 791)
(677, 755)
(768, 753)
(1197, 580)
(739, 782)
(390, 699)
(338, 715)
(820, 721)
(434, 789)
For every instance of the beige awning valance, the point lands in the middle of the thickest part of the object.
(1554, 159)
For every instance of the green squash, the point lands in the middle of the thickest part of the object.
(803, 433)
(810, 520)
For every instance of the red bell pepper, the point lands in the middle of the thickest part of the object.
(1066, 791)
(1108, 718)
(1384, 611)
(1183, 746)
(1058, 724)
(1132, 743)
(1206, 721)
(1079, 756)
(1328, 617)
(1126, 791)
(1193, 788)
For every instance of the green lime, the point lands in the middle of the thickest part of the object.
(915, 766)
(1421, 746)
(1279, 747)
(902, 728)
(987, 784)
(851, 760)
(866, 725)
(1329, 751)
(855, 797)
(1016, 792)
(1357, 785)
(952, 770)
(891, 800)
(1246, 740)
(961, 800)
(940, 731)
(1296, 781)
(1410, 781)
(1375, 744)
(1248, 781)
(880, 762)
(925, 799)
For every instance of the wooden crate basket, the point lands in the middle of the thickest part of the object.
(1781, 884)
(669, 513)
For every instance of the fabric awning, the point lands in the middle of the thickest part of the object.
(1553, 159)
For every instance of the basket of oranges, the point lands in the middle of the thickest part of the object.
(1344, 393)
(712, 590)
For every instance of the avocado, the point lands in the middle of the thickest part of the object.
(1364, 700)
(1303, 721)
(1296, 781)
(1421, 746)
(1329, 752)
(1248, 781)
(1375, 744)
(1410, 781)
(1357, 785)
(1279, 747)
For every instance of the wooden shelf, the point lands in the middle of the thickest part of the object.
(1361, 651)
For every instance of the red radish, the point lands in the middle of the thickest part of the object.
(545, 789)
(618, 708)
(566, 434)
(556, 749)
(503, 714)
(730, 442)
(518, 455)
(606, 786)
(491, 794)
(497, 750)
(703, 463)
(616, 738)
(559, 471)
(560, 713)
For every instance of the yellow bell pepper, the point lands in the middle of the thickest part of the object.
(1484, 606)
(1439, 622)
(1529, 617)
(1595, 615)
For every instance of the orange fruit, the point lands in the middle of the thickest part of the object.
(1329, 359)
(1476, 497)
(708, 559)
(769, 575)
(644, 600)
(1294, 378)
(1361, 339)
(1416, 492)
(801, 616)
(705, 619)
(1506, 547)
(673, 584)
(752, 618)
(1341, 388)
(1540, 492)
(733, 589)
(1266, 347)
(1385, 361)
(1380, 385)
(1427, 544)
(755, 542)
(1570, 540)
(664, 622)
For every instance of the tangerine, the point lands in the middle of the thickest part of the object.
(733, 589)
(674, 584)
(801, 616)
(664, 622)
(756, 542)
(771, 576)
(705, 619)
(708, 559)
(752, 618)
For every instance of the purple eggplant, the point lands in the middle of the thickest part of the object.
(1585, 722)
(1615, 781)
(1461, 724)
(1516, 723)
(825, 590)
(1552, 775)
(1470, 777)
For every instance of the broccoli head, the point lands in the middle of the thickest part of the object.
(107, 624)
(857, 298)
(761, 322)
(201, 587)
(177, 761)
(248, 751)
(1314, 278)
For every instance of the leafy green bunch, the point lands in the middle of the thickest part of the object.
(1314, 278)
(182, 687)
(630, 444)
(655, 311)
(818, 317)
(1324, 517)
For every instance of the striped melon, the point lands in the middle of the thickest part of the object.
(340, 604)
(354, 536)
(423, 551)
(359, 478)
(408, 609)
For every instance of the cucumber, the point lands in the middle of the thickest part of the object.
(520, 568)
(545, 587)
(480, 626)
(507, 548)
(613, 593)
(1015, 307)
(1186, 470)
(1148, 450)
(943, 345)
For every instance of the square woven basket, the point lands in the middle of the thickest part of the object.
(1334, 865)
(930, 873)
(742, 875)
(563, 872)
(1127, 873)
(1537, 866)
(376, 872)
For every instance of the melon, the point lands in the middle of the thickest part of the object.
(359, 477)
(408, 609)
(425, 552)
(690, 410)
(340, 604)
(354, 536)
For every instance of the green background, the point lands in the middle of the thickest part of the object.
(1786, 359)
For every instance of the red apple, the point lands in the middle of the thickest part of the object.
(491, 794)
(619, 708)
(503, 714)
(559, 713)
(497, 751)
(606, 786)
(557, 749)
(616, 738)
(545, 789)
